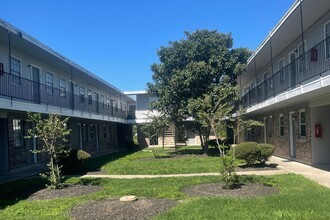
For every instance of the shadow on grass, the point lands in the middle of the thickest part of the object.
(213, 152)
(95, 164)
(18, 190)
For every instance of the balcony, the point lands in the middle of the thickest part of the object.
(17, 88)
(303, 68)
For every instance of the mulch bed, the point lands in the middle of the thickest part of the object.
(256, 167)
(67, 191)
(144, 208)
(243, 190)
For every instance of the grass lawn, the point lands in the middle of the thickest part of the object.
(187, 160)
(298, 198)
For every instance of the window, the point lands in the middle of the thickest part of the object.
(125, 108)
(49, 83)
(18, 132)
(302, 57)
(104, 132)
(92, 132)
(102, 101)
(90, 97)
(108, 104)
(327, 39)
(62, 87)
(281, 69)
(85, 133)
(15, 70)
(281, 125)
(82, 93)
(115, 105)
(302, 123)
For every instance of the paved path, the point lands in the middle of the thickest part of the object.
(263, 173)
(321, 176)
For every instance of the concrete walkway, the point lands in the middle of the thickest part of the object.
(263, 173)
(321, 176)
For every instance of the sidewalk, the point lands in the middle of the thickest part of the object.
(321, 176)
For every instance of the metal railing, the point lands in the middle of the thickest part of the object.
(310, 64)
(15, 87)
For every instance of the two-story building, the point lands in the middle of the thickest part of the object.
(35, 78)
(287, 84)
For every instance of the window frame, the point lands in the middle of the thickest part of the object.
(15, 77)
(18, 127)
(302, 124)
(327, 41)
(90, 96)
(302, 57)
(82, 93)
(49, 85)
(62, 89)
(92, 132)
(281, 125)
(102, 101)
(281, 70)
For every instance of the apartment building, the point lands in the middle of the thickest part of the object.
(35, 78)
(287, 84)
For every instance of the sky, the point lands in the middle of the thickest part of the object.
(118, 40)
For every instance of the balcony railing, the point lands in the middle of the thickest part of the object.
(310, 64)
(14, 87)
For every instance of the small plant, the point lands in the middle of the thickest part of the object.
(227, 171)
(266, 150)
(73, 161)
(52, 132)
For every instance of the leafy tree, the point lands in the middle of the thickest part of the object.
(189, 69)
(155, 124)
(240, 124)
(52, 132)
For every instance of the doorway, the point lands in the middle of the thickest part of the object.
(36, 84)
(31, 144)
(3, 145)
(292, 135)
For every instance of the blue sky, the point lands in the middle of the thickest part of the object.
(118, 40)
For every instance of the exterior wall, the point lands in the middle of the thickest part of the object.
(282, 144)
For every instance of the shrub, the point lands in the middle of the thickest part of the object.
(252, 152)
(266, 150)
(227, 171)
(73, 162)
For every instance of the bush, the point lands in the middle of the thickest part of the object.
(266, 150)
(252, 152)
(73, 162)
(227, 171)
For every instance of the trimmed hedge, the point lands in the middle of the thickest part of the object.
(253, 152)
(73, 162)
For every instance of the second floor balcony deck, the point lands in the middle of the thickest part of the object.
(13, 87)
(302, 69)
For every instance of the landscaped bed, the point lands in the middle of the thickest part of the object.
(294, 197)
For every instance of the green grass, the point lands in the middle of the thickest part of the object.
(188, 160)
(298, 198)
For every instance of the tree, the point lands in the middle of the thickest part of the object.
(189, 69)
(239, 124)
(154, 125)
(52, 132)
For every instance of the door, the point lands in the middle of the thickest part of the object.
(3, 145)
(266, 85)
(97, 98)
(36, 84)
(293, 69)
(292, 136)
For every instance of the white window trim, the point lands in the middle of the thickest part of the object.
(51, 73)
(60, 88)
(279, 124)
(279, 69)
(304, 52)
(20, 71)
(300, 111)
(324, 34)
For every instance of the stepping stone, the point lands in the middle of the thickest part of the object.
(128, 199)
